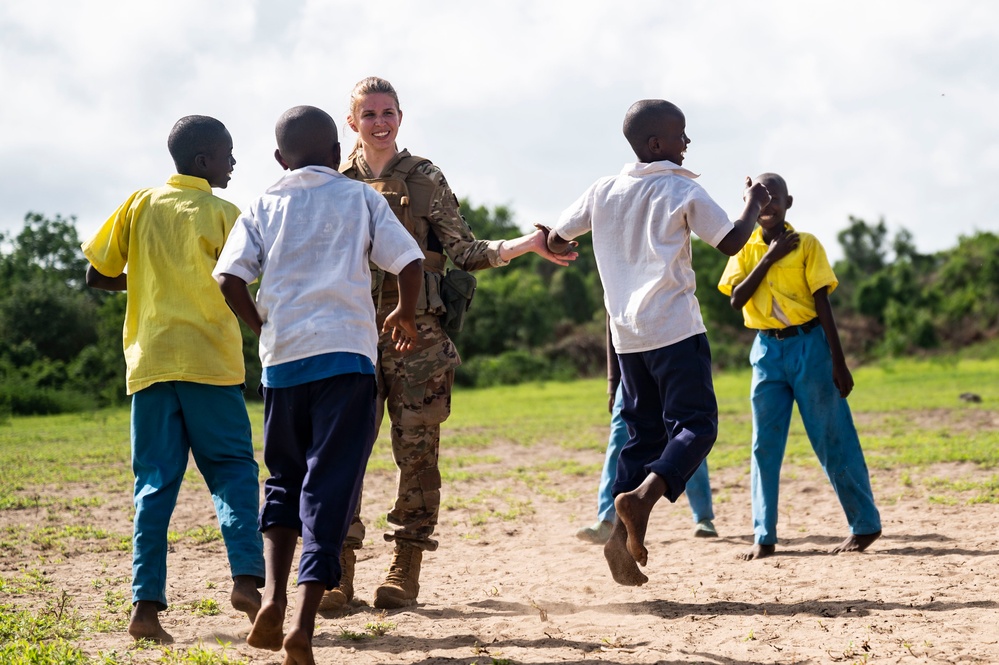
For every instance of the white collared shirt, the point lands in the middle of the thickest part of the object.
(309, 238)
(641, 221)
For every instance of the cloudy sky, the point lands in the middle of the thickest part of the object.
(872, 109)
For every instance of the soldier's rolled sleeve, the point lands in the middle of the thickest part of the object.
(459, 243)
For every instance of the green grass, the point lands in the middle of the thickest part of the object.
(908, 413)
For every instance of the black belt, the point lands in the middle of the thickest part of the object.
(791, 331)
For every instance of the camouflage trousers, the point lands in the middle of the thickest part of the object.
(415, 388)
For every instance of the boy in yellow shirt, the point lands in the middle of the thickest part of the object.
(781, 281)
(184, 365)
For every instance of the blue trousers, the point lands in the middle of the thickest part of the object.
(170, 421)
(670, 409)
(317, 439)
(799, 370)
(698, 487)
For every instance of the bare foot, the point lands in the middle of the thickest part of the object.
(298, 648)
(622, 565)
(633, 513)
(268, 628)
(145, 623)
(856, 543)
(245, 596)
(758, 551)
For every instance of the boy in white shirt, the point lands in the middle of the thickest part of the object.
(641, 222)
(309, 239)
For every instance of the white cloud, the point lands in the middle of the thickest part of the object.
(871, 109)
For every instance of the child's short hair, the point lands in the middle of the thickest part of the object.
(191, 136)
(643, 119)
(774, 178)
(305, 134)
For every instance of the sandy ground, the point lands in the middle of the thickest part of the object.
(511, 584)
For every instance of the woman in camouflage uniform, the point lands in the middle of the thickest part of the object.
(415, 386)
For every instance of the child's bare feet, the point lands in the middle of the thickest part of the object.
(622, 565)
(856, 543)
(145, 623)
(245, 596)
(633, 510)
(268, 628)
(758, 551)
(298, 648)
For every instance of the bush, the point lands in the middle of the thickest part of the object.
(23, 398)
(512, 367)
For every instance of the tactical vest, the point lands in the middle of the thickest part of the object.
(410, 196)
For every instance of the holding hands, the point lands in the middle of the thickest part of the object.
(554, 247)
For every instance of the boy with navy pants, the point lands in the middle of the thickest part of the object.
(781, 281)
(184, 365)
(309, 239)
(698, 490)
(641, 222)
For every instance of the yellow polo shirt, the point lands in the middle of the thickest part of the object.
(789, 283)
(178, 326)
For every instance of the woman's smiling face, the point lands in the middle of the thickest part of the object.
(376, 120)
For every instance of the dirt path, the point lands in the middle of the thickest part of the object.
(510, 583)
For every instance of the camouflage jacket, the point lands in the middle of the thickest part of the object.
(459, 244)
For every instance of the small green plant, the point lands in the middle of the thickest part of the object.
(204, 534)
(350, 635)
(379, 628)
(206, 607)
(201, 655)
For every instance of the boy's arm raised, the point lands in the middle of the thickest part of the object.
(841, 373)
(239, 298)
(756, 197)
(402, 320)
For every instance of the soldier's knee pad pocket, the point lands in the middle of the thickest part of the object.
(430, 480)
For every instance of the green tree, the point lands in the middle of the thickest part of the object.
(46, 250)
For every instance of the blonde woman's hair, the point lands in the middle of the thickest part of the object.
(368, 86)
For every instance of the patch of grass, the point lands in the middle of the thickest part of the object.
(53, 623)
(29, 580)
(206, 607)
(25, 652)
(204, 534)
(200, 655)
(379, 628)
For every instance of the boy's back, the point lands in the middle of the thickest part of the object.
(177, 325)
(641, 220)
(310, 236)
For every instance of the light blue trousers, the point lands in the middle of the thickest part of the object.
(698, 487)
(170, 421)
(799, 369)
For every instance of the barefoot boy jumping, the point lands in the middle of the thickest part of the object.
(641, 221)
(311, 236)
(781, 281)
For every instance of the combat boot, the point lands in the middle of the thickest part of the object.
(402, 585)
(337, 599)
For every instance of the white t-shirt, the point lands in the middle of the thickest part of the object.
(641, 221)
(310, 236)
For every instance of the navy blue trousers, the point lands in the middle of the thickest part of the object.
(671, 413)
(317, 439)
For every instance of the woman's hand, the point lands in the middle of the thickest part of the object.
(552, 246)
